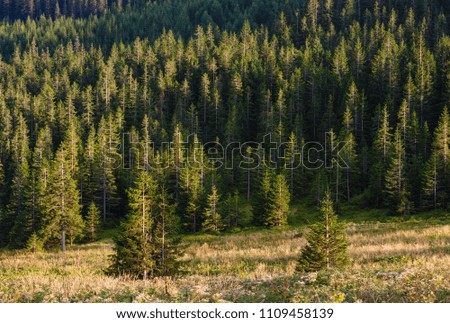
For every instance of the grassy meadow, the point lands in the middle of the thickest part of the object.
(396, 260)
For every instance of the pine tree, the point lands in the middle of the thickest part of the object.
(335, 163)
(232, 210)
(380, 155)
(38, 183)
(192, 177)
(108, 84)
(106, 162)
(205, 92)
(340, 64)
(168, 224)
(72, 144)
(396, 186)
(415, 159)
(212, 219)
(437, 172)
(354, 105)
(88, 107)
(136, 246)
(260, 206)
(385, 68)
(34, 243)
(424, 72)
(349, 156)
(61, 203)
(403, 122)
(177, 158)
(279, 199)
(318, 186)
(5, 129)
(249, 168)
(431, 183)
(348, 12)
(92, 222)
(292, 164)
(312, 15)
(327, 242)
(441, 142)
(19, 221)
(89, 169)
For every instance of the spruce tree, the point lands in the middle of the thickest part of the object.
(106, 162)
(191, 181)
(177, 160)
(260, 206)
(396, 186)
(19, 221)
(292, 163)
(279, 199)
(61, 209)
(380, 155)
(349, 155)
(213, 220)
(92, 222)
(232, 210)
(431, 181)
(34, 243)
(136, 250)
(89, 170)
(39, 183)
(326, 242)
(168, 224)
(424, 73)
(437, 171)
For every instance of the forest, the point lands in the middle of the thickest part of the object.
(161, 120)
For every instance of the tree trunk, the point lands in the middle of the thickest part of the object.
(337, 183)
(248, 185)
(348, 184)
(63, 239)
(104, 194)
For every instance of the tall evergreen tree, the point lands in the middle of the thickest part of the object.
(168, 223)
(92, 222)
(424, 71)
(261, 204)
(177, 158)
(212, 219)
(18, 223)
(232, 210)
(326, 242)
(396, 186)
(349, 156)
(107, 161)
(61, 204)
(431, 180)
(380, 156)
(136, 246)
(293, 165)
(278, 206)
(192, 178)
(437, 172)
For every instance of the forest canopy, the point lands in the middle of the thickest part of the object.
(375, 75)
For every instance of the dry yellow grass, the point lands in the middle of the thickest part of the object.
(389, 264)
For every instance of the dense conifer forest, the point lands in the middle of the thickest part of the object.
(174, 114)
